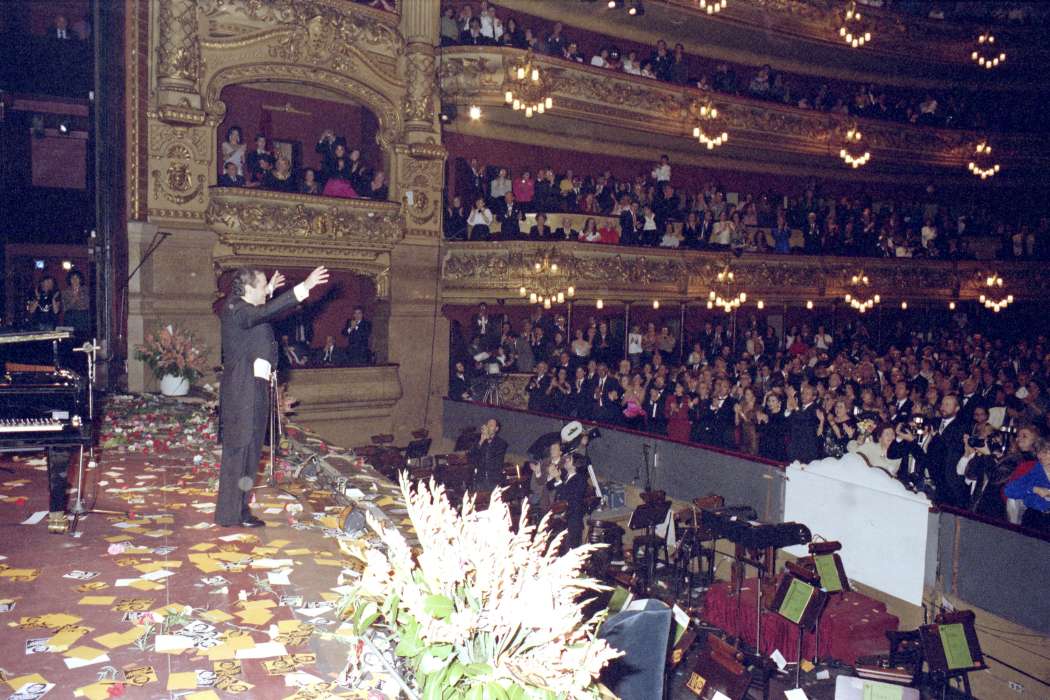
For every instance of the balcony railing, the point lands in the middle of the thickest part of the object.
(476, 75)
(475, 270)
(306, 228)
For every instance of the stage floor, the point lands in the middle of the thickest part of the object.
(253, 604)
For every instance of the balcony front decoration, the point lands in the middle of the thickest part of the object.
(853, 29)
(858, 298)
(709, 131)
(725, 294)
(983, 165)
(992, 296)
(985, 53)
(547, 281)
(853, 152)
(527, 87)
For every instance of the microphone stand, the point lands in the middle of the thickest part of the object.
(90, 349)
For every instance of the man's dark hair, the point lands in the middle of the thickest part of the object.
(72, 274)
(242, 279)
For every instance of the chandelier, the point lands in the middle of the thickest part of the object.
(852, 30)
(993, 284)
(527, 88)
(858, 299)
(546, 282)
(730, 301)
(706, 132)
(712, 7)
(851, 152)
(982, 165)
(984, 53)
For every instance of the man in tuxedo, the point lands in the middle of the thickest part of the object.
(293, 355)
(510, 217)
(537, 389)
(330, 355)
(902, 404)
(252, 163)
(969, 401)
(523, 348)
(486, 457)
(484, 327)
(61, 28)
(630, 225)
(604, 385)
(803, 419)
(359, 333)
(459, 384)
(944, 446)
(717, 425)
(249, 357)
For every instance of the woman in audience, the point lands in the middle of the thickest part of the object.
(455, 220)
(281, 178)
(671, 238)
(76, 305)
(309, 184)
(630, 64)
(746, 419)
(581, 348)
(233, 149)
(772, 429)
(1033, 489)
(338, 174)
(524, 189)
(676, 410)
(479, 221)
(513, 36)
(841, 428)
(874, 448)
(590, 233)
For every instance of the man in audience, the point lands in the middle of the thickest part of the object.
(293, 355)
(254, 162)
(358, 331)
(510, 217)
(330, 355)
(805, 421)
(61, 28)
(555, 43)
(486, 457)
(230, 178)
(541, 231)
(472, 36)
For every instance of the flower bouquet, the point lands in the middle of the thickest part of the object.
(173, 352)
(483, 609)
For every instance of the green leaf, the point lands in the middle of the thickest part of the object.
(477, 670)
(495, 691)
(394, 603)
(516, 692)
(429, 663)
(477, 692)
(455, 672)
(364, 616)
(438, 606)
(441, 651)
(409, 645)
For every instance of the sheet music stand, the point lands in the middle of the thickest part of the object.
(646, 517)
(718, 670)
(951, 649)
(800, 602)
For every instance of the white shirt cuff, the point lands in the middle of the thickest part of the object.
(261, 369)
(300, 291)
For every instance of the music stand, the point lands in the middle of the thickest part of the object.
(800, 602)
(646, 517)
(951, 648)
(717, 670)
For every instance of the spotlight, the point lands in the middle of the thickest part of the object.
(637, 9)
(475, 113)
(809, 305)
(599, 304)
(38, 264)
(67, 265)
(63, 126)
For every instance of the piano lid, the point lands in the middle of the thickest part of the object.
(9, 337)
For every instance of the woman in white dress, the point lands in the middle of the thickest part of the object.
(233, 149)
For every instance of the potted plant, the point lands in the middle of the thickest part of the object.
(483, 609)
(175, 358)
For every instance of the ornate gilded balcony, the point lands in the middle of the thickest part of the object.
(257, 226)
(480, 270)
(646, 115)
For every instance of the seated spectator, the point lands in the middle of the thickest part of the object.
(230, 178)
(377, 187)
(459, 383)
(671, 238)
(479, 221)
(260, 175)
(513, 35)
(541, 231)
(472, 36)
(631, 65)
(601, 59)
(60, 30)
(330, 355)
(725, 79)
(309, 183)
(760, 84)
(647, 70)
(281, 178)
(590, 233)
(555, 43)
(572, 53)
(293, 355)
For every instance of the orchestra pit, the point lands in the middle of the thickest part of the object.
(524, 350)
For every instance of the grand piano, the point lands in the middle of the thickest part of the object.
(45, 408)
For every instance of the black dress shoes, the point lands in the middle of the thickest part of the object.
(252, 521)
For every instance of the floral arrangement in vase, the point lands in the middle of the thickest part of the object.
(484, 609)
(173, 352)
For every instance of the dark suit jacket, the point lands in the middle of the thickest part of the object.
(227, 181)
(357, 349)
(246, 336)
(536, 234)
(717, 424)
(942, 455)
(510, 219)
(629, 225)
(803, 443)
(573, 491)
(902, 414)
(457, 386)
(487, 460)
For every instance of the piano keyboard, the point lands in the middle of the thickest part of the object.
(30, 425)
